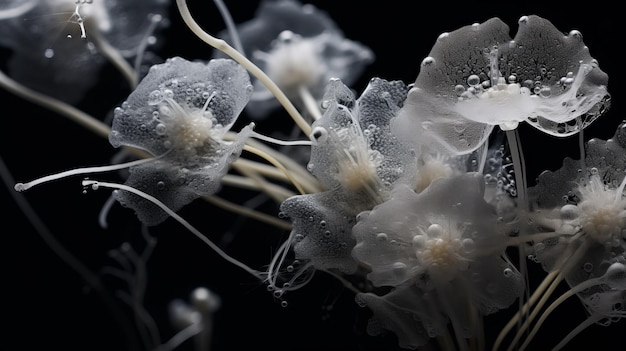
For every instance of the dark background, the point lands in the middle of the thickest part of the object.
(48, 305)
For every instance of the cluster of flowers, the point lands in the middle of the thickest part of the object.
(400, 186)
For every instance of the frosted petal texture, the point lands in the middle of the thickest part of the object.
(357, 159)
(298, 46)
(180, 113)
(429, 246)
(477, 77)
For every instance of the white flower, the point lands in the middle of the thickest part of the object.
(587, 205)
(477, 77)
(357, 159)
(426, 248)
(180, 113)
(300, 48)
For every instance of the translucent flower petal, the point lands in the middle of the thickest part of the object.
(176, 183)
(297, 46)
(358, 161)
(395, 238)
(180, 113)
(586, 202)
(212, 93)
(476, 77)
(51, 58)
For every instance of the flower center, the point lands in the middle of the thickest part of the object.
(294, 62)
(185, 131)
(443, 251)
(602, 213)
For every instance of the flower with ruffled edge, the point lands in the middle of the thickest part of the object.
(586, 203)
(180, 113)
(426, 248)
(299, 47)
(358, 160)
(476, 78)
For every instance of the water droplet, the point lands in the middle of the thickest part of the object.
(468, 245)
(615, 276)
(459, 89)
(434, 230)
(154, 97)
(160, 129)
(428, 61)
(473, 80)
(399, 269)
(545, 92)
(576, 35)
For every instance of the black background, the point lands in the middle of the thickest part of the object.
(48, 305)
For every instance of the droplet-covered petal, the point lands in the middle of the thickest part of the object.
(174, 96)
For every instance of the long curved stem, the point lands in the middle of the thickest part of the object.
(569, 259)
(531, 301)
(96, 184)
(223, 46)
(571, 292)
(55, 105)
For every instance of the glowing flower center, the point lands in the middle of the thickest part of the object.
(602, 214)
(433, 168)
(356, 170)
(495, 101)
(442, 251)
(294, 62)
(357, 163)
(185, 131)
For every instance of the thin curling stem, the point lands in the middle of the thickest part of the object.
(96, 184)
(276, 164)
(224, 47)
(55, 105)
